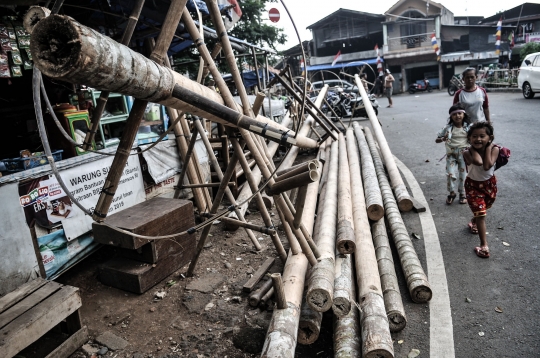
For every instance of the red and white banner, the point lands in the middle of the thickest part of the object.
(235, 13)
(337, 58)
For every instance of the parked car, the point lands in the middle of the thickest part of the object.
(529, 75)
(347, 86)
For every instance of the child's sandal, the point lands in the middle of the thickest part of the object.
(482, 251)
(472, 228)
(462, 199)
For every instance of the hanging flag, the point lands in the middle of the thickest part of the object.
(379, 62)
(233, 15)
(337, 58)
(498, 36)
(511, 44)
(435, 46)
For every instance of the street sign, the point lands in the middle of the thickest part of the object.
(273, 14)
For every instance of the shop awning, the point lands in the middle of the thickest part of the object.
(328, 66)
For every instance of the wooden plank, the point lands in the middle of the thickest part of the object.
(21, 292)
(261, 271)
(157, 250)
(70, 345)
(28, 302)
(157, 216)
(33, 324)
(419, 208)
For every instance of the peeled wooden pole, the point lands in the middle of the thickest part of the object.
(281, 338)
(402, 195)
(279, 291)
(389, 283)
(320, 291)
(376, 339)
(255, 297)
(345, 242)
(417, 281)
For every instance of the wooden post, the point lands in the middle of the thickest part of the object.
(347, 334)
(343, 285)
(320, 291)
(309, 326)
(417, 281)
(345, 242)
(402, 195)
(373, 318)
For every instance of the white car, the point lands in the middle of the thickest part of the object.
(529, 75)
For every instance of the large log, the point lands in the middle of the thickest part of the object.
(376, 339)
(402, 195)
(417, 281)
(343, 285)
(347, 334)
(389, 283)
(309, 327)
(345, 242)
(66, 50)
(320, 291)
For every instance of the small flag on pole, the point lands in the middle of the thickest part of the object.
(498, 37)
(511, 44)
(379, 63)
(337, 58)
(435, 46)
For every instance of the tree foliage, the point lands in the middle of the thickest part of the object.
(529, 48)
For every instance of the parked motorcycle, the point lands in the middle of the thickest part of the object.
(347, 105)
(415, 87)
(456, 83)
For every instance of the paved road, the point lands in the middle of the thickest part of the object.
(509, 279)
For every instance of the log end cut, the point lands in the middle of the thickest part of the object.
(341, 306)
(308, 332)
(396, 321)
(55, 45)
(405, 204)
(420, 293)
(375, 212)
(346, 247)
(320, 300)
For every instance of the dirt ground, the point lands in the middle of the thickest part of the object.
(207, 315)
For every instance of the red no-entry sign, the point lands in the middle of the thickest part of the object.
(273, 14)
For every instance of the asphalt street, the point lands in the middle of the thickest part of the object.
(493, 302)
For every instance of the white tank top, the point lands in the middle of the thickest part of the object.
(477, 172)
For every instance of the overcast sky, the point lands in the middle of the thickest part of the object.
(307, 12)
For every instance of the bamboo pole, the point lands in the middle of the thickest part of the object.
(389, 283)
(299, 206)
(215, 52)
(104, 95)
(295, 170)
(262, 229)
(309, 326)
(372, 192)
(33, 16)
(347, 334)
(264, 299)
(217, 169)
(116, 68)
(320, 291)
(262, 160)
(281, 338)
(417, 281)
(343, 283)
(293, 241)
(376, 339)
(296, 181)
(279, 291)
(215, 205)
(402, 195)
(255, 297)
(345, 242)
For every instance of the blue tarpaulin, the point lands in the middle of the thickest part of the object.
(337, 66)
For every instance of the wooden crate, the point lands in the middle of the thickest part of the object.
(35, 308)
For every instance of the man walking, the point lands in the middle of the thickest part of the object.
(388, 83)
